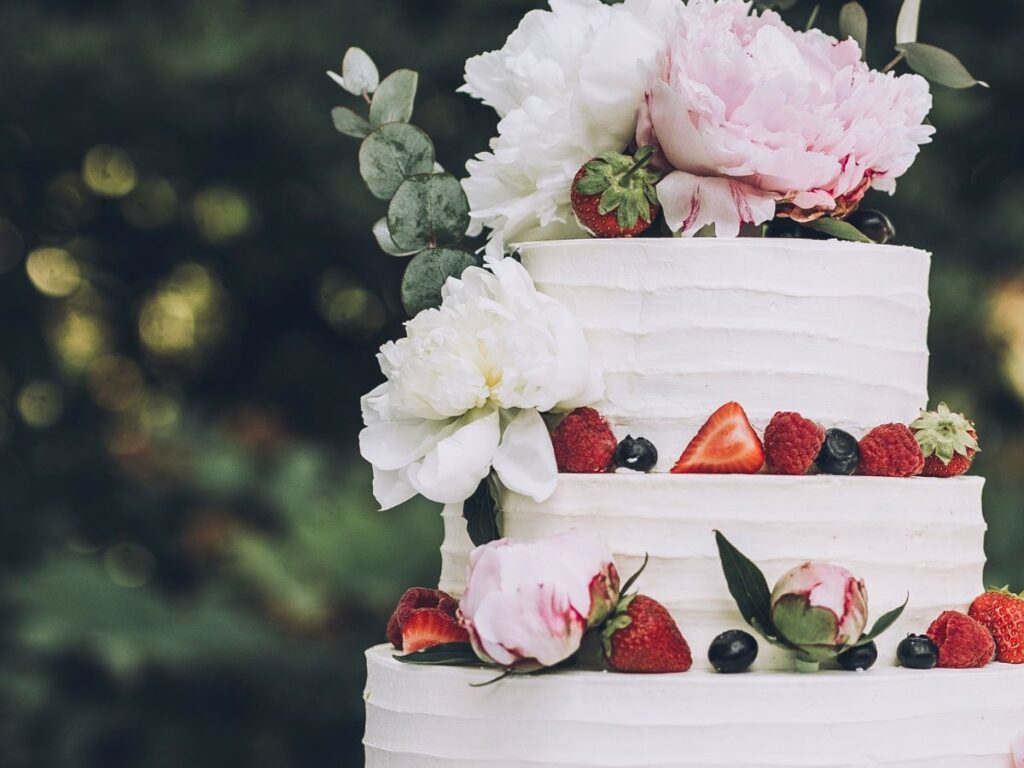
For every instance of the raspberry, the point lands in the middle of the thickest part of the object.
(792, 443)
(890, 451)
(584, 443)
(963, 643)
(415, 599)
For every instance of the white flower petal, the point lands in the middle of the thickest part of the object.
(397, 444)
(451, 472)
(391, 487)
(525, 460)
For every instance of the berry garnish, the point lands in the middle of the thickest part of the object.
(948, 441)
(875, 224)
(1002, 613)
(413, 599)
(427, 627)
(963, 643)
(614, 195)
(643, 637)
(638, 454)
(726, 444)
(890, 451)
(584, 443)
(917, 652)
(859, 657)
(733, 651)
(792, 443)
(840, 453)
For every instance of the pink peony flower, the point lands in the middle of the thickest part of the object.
(820, 607)
(756, 118)
(528, 605)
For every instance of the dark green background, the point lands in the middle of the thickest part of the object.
(191, 561)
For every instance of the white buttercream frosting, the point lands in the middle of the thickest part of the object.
(919, 536)
(834, 330)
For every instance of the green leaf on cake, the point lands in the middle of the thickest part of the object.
(748, 587)
(394, 99)
(447, 654)
(392, 154)
(426, 275)
(351, 124)
(481, 513)
(938, 65)
(883, 623)
(428, 210)
(853, 23)
(840, 230)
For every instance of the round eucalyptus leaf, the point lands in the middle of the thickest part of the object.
(351, 124)
(395, 98)
(428, 210)
(383, 236)
(426, 275)
(391, 154)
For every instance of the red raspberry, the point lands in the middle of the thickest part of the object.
(890, 450)
(584, 443)
(963, 643)
(792, 443)
(415, 599)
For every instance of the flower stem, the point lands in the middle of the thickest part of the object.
(804, 666)
(892, 64)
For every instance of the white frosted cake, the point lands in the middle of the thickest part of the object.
(834, 330)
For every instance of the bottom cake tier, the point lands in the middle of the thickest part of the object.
(432, 717)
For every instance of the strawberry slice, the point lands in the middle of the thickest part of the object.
(427, 627)
(725, 445)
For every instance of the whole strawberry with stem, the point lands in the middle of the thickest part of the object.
(948, 441)
(614, 195)
(643, 637)
(1002, 613)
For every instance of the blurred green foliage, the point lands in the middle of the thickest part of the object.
(192, 563)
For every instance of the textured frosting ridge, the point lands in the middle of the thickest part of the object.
(837, 331)
(922, 536)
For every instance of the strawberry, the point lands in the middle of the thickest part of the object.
(726, 444)
(963, 643)
(890, 451)
(1002, 613)
(643, 637)
(614, 196)
(948, 441)
(417, 597)
(427, 627)
(792, 443)
(584, 443)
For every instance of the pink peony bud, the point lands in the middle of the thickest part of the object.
(528, 605)
(820, 609)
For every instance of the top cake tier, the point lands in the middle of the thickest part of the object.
(834, 330)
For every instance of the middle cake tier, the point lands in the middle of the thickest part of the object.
(922, 537)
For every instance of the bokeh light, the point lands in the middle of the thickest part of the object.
(185, 316)
(347, 305)
(53, 271)
(153, 204)
(115, 383)
(1006, 323)
(109, 171)
(40, 404)
(12, 246)
(222, 214)
(69, 200)
(129, 564)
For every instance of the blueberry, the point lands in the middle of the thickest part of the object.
(917, 652)
(875, 224)
(639, 454)
(787, 228)
(860, 657)
(840, 453)
(732, 651)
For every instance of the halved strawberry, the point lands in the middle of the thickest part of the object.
(414, 598)
(726, 444)
(427, 627)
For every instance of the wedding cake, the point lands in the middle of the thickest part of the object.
(738, 403)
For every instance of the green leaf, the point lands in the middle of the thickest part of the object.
(884, 623)
(481, 514)
(939, 66)
(359, 73)
(853, 22)
(906, 24)
(447, 654)
(394, 99)
(428, 210)
(633, 579)
(840, 230)
(383, 237)
(748, 587)
(391, 154)
(349, 123)
(427, 274)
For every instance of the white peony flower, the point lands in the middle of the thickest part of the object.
(567, 86)
(465, 389)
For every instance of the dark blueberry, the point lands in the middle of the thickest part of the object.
(732, 651)
(860, 657)
(787, 228)
(840, 453)
(874, 224)
(917, 652)
(639, 454)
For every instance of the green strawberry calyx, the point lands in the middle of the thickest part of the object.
(619, 620)
(626, 185)
(945, 434)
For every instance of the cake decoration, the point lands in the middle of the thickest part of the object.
(859, 658)
(792, 443)
(817, 610)
(1002, 613)
(414, 599)
(948, 441)
(840, 453)
(584, 443)
(430, 627)
(614, 196)
(636, 453)
(890, 450)
(917, 652)
(733, 651)
(643, 637)
(726, 444)
(963, 643)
